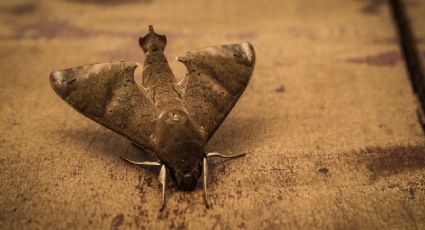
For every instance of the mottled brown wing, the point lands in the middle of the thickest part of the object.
(216, 78)
(108, 94)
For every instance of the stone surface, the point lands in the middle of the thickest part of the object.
(328, 121)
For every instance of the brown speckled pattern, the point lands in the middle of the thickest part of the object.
(108, 94)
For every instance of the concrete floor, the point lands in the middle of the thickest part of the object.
(328, 121)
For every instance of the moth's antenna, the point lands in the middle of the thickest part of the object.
(205, 176)
(163, 180)
(205, 171)
(162, 175)
(216, 154)
(148, 163)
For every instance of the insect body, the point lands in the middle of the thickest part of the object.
(174, 120)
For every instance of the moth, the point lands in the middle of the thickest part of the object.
(172, 119)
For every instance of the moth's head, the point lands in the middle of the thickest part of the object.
(180, 146)
(152, 41)
(184, 161)
(187, 174)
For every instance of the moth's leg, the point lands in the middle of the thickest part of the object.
(216, 154)
(148, 163)
(137, 146)
(205, 176)
(163, 180)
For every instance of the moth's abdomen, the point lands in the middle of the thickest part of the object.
(152, 41)
(166, 97)
(156, 70)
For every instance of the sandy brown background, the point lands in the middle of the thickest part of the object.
(328, 121)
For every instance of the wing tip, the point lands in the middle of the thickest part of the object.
(60, 83)
(249, 52)
(56, 78)
(246, 47)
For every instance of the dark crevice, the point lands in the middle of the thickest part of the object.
(411, 54)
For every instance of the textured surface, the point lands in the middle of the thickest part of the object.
(415, 10)
(328, 120)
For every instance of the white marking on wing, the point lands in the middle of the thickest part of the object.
(247, 50)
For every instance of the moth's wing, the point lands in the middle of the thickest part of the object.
(108, 94)
(216, 78)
